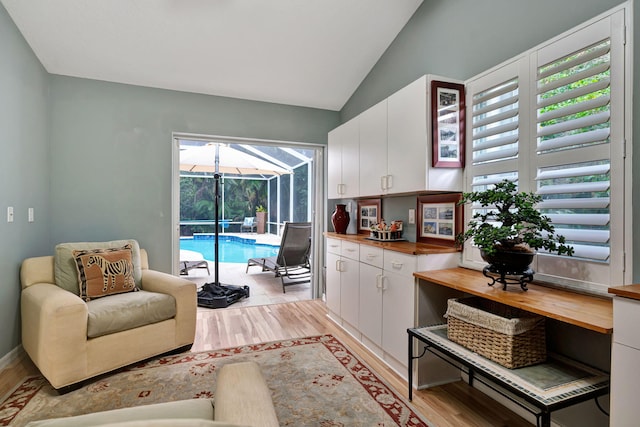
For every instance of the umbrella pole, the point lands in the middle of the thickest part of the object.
(216, 178)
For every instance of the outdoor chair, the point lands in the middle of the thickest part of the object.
(190, 260)
(292, 262)
(250, 223)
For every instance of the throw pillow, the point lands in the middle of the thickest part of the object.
(103, 272)
(66, 273)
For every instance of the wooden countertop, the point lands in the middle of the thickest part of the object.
(629, 291)
(410, 248)
(590, 312)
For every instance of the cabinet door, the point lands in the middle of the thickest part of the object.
(407, 138)
(350, 291)
(350, 158)
(373, 150)
(397, 314)
(371, 302)
(625, 378)
(332, 287)
(334, 162)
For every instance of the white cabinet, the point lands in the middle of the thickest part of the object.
(625, 359)
(398, 303)
(342, 160)
(371, 282)
(376, 301)
(332, 282)
(395, 146)
(373, 150)
(350, 284)
(342, 282)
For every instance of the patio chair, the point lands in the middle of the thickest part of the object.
(190, 260)
(292, 262)
(250, 223)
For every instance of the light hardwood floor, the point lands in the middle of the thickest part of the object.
(451, 405)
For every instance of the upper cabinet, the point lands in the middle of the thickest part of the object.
(373, 150)
(394, 148)
(342, 160)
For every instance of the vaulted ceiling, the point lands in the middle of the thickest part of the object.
(311, 53)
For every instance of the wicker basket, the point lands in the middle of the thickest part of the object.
(509, 336)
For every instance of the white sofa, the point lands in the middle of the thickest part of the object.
(242, 398)
(55, 322)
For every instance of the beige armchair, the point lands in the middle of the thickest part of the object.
(70, 339)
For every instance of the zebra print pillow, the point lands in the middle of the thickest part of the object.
(103, 272)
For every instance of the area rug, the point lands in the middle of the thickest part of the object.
(315, 381)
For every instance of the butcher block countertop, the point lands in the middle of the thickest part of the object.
(410, 248)
(629, 291)
(586, 311)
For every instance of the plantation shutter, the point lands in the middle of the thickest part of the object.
(552, 120)
(494, 132)
(578, 163)
(573, 156)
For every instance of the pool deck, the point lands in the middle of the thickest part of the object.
(265, 287)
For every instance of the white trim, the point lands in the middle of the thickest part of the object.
(16, 354)
(318, 201)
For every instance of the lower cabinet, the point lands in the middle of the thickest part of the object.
(377, 303)
(342, 288)
(625, 359)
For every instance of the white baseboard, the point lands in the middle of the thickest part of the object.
(11, 357)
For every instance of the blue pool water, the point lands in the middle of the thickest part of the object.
(231, 248)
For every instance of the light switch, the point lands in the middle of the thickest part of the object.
(412, 216)
(31, 215)
(10, 214)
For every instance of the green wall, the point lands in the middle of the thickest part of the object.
(24, 169)
(462, 38)
(111, 154)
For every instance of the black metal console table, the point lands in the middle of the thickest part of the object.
(539, 389)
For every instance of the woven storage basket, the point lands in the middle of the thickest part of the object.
(509, 336)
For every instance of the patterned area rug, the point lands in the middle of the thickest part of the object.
(315, 381)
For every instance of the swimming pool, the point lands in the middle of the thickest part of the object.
(231, 248)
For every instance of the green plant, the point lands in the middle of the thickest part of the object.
(519, 226)
(261, 208)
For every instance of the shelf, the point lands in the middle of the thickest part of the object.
(557, 383)
(589, 312)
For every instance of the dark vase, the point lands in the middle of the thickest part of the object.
(340, 219)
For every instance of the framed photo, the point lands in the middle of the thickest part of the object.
(447, 124)
(439, 219)
(369, 213)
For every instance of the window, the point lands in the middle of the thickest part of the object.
(553, 121)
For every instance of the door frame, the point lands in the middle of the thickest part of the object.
(316, 198)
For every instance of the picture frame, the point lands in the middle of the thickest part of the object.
(369, 213)
(447, 124)
(440, 219)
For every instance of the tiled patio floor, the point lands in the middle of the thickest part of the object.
(264, 287)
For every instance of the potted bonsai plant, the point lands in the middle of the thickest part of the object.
(261, 217)
(511, 230)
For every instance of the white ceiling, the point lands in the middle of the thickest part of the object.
(311, 53)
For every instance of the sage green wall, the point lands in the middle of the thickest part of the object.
(111, 154)
(462, 38)
(24, 169)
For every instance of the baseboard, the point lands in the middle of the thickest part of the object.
(12, 356)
